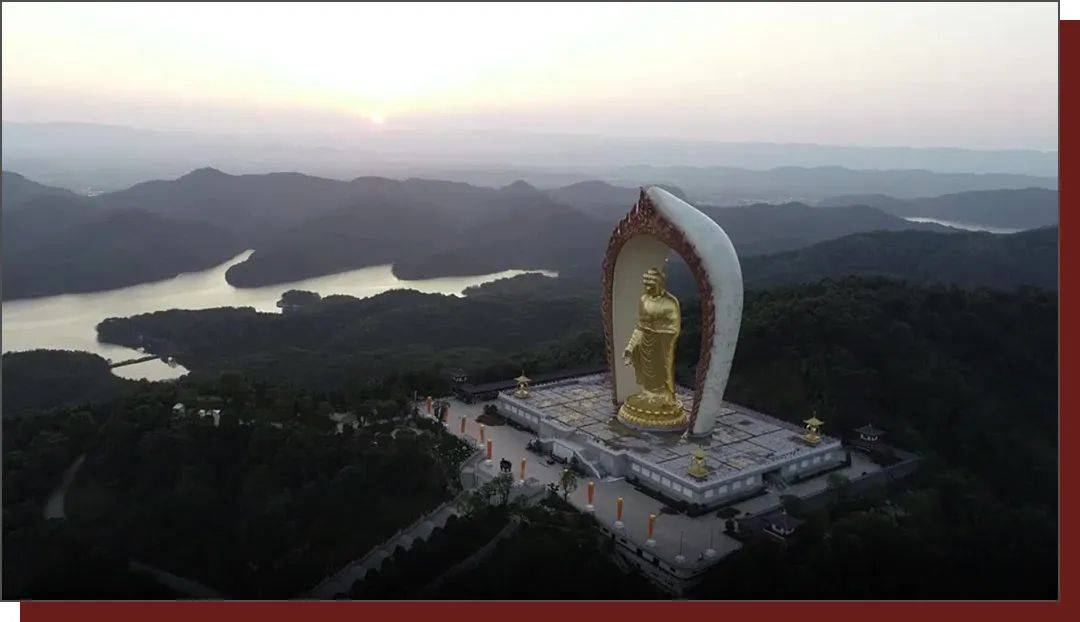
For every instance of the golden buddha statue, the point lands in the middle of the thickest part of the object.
(651, 350)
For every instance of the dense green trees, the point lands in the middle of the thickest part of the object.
(557, 554)
(963, 376)
(49, 378)
(965, 259)
(408, 573)
(966, 378)
(342, 343)
(948, 538)
(255, 507)
(1020, 208)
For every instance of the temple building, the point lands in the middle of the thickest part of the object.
(868, 438)
(782, 526)
(869, 434)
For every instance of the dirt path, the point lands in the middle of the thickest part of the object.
(178, 584)
(54, 507)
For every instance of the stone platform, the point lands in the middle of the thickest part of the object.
(745, 452)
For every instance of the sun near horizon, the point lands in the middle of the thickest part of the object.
(918, 75)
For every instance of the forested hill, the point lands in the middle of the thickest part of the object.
(947, 372)
(723, 185)
(512, 227)
(115, 249)
(562, 239)
(340, 338)
(1025, 208)
(17, 189)
(303, 226)
(969, 259)
(58, 242)
(763, 229)
(968, 379)
(938, 366)
(44, 379)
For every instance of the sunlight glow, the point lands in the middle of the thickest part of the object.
(843, 72)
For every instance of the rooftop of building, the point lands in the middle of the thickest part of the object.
(869, 430)
(784, 521)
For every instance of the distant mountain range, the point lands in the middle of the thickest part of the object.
(108, 157)
(1025, 208)
(968, 259)
(302, 226)
(603, 200)
(427, 232)
(520, 227)
(764, 229)
(17, 189)
(734, 186)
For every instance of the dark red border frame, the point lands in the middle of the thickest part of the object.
(1065, 609)
(671, 611)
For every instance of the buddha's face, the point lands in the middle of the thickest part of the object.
(654, 285)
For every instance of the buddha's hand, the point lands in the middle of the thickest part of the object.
(627, 355)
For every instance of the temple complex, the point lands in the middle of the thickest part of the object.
(684, 443)
(660, 458)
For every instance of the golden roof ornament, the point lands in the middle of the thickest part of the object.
(699, 467)
(523, 386)
(813, 430)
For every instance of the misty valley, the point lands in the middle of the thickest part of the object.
(297, 319)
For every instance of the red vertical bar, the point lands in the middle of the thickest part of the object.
(1068, 311)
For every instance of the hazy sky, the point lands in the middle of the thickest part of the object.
(967, 75)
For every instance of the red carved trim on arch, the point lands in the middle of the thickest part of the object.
(645, 219)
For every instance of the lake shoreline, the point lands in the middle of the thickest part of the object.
(69, 321)
(964, 226)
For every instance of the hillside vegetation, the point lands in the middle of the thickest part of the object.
(947, 372)
(965, 259)
(303, 226)
(1026, 208)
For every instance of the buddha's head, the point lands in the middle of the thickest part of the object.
(655, 282)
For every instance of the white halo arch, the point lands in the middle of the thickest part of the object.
(660, 221)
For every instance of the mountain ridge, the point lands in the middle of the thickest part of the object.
(1020, 208)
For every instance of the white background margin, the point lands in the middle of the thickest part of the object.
(9, 612)
(1070, 9)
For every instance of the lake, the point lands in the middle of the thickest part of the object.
(966, 226)
(69, 321)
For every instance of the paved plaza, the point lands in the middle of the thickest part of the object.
(743, 439)
(743, 454)
(696, 534)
